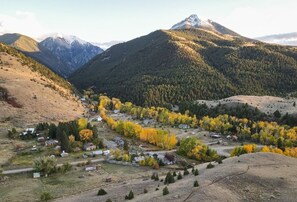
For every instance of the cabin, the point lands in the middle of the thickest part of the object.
(89, 146)
(215, 135)
(64, 154)
(148, 121)
(28, 131)
(106, 152)
(51, 142)
(183, 126)
(98, 152)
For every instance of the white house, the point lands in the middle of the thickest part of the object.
(99, 119)
(64, 154)
(28, 131)
(98, 152)
(106, 152)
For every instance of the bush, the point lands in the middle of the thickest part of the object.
(108, 200)
(196, 172)
(174, 174)
(179, 176)
(165, 191)
(66, 167)
(169, 178)
(186, 172)
(196, 184)
(101, 192)
(129, 196)
(145, 191)
(209, 166)
(46, 196)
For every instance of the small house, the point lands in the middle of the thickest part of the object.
(106, 152)
(51, 142)
(36, 175)
(139, 158)
(98, 152)
(99, 119)
(64, 154)
(183, 126)
(148, 121)
(28, 131)
(89, 146)
(90, 168)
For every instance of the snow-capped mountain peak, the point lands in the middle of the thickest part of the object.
(69, 39)
(193, 21)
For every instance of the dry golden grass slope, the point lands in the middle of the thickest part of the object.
(250, 177)
(40, 101)
(266, 104)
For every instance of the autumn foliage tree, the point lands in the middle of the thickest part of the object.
(86, 135)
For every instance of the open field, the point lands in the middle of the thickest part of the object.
(23, 187)
(266, 104)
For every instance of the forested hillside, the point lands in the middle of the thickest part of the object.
(183, 65)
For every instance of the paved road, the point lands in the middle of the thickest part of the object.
(24, 170)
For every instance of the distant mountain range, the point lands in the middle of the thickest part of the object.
(62, 53)
(283, 39)
(195, 59)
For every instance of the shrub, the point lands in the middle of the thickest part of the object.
(209, 166)
(101, 192)
(174, 174)
(46, 196)
(186, 172)
(169, 178)
(165, 191)
(108, 200)
(129, 196)
(66, 167)
(196, 184)
(145, 191)
(196, 172)
(179, 176)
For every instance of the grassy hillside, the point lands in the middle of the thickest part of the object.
(31, 93)
(183, 65)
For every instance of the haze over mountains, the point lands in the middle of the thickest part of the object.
(283, 39)
(62, 53)
(194, 60)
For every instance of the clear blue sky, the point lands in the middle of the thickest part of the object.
(97, 20)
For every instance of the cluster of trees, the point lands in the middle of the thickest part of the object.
(48, 166)
(240, 111)
(193, 148)
(150, 161)
(74, 133)
(264, 132)
(160, 114)
(121, 155)
(160, 138)
(249, 148)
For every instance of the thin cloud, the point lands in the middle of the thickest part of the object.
(22, 22)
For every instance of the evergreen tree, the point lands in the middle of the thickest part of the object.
(179, 176)
(126, 146)
(165, 191)
(196, 172)
(65, 145)
(196, 184)
(186, 172)
(52, 133)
